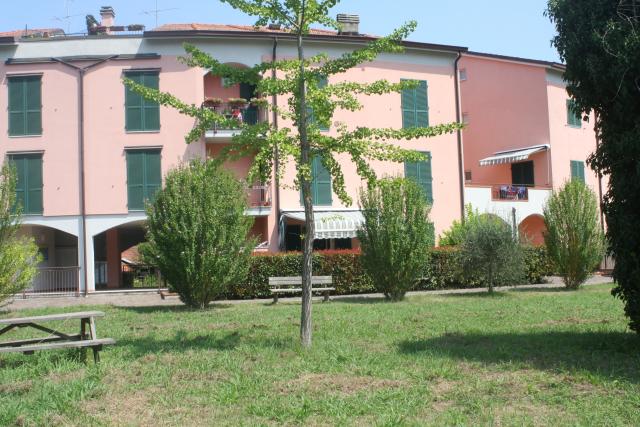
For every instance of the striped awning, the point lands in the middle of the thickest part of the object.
(512, 156)
(332, 224)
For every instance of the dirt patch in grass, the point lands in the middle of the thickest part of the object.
(124, 408)
(572, 321)
(19, 387)
(63, 377)
(342, 384)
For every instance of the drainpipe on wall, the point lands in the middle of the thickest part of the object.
(83, 208)
(459, 134)
(274, 101)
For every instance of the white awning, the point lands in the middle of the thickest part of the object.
(512, 156)
(332, 224)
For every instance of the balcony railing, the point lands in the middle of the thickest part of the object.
(260, 196)
(236, 116)
(56, 280)
(510, 192)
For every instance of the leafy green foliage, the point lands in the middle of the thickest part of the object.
(454, 236)
(198, 231)
(491, 253)
(600, 43)
(19, 256)
(574, 239)
(396, 235)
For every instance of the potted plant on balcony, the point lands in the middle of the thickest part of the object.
(237, 103)
(212, 103)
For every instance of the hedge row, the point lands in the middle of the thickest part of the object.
(441, 272)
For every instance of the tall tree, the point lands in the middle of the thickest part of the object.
(600, 42)
(302, 81)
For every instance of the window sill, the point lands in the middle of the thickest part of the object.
(573, 126)
(141, 131)
(35, 135)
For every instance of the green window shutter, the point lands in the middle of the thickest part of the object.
(28, 182)
(577, 170)
(34, 184)
(415, 106)
(135, 180)
(321, 183)
(311, 117)
(573, 119)
(140, 113)
(153, 174)
(420, 173)
(25, 105)
(422, 105)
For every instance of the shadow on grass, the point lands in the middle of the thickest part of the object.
(478, 294)
(606, 354)
(173, 308)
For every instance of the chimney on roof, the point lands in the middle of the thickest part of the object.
(108, 17)
(348, 24)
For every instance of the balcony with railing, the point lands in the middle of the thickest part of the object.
(502, 198)
(259, 197)
(237, 115)
(55, 280)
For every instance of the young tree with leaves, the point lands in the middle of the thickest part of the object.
(19, 256)
(299, 80)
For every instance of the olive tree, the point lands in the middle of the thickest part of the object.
(574, 239)
(491, 254)
(19, 255)
(198, 232)
(396, 235)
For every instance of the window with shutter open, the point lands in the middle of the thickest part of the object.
(25, 105)
(574, 118)
(420, 173)
(28, 169)
(141, 114)
(144, 177)
(415, 106)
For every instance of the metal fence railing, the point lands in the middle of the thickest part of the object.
(56, 280)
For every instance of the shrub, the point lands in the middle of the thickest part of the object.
(454, 236)
(491, 254)
(396, 235)
(19, 256)
(198, 231)
(574, 239)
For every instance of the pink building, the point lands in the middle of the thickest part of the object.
(88, 152)
(521, 140)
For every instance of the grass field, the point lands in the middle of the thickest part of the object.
(518, 358)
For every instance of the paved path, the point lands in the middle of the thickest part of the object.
(149, 299)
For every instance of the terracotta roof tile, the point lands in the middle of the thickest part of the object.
(31, 32)
(231, 28)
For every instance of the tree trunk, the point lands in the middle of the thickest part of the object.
(305, 151)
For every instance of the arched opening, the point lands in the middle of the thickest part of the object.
(118, 264)
(58, 271)
(532, 230)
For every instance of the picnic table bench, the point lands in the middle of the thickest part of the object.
(282, 285)
(57, 339)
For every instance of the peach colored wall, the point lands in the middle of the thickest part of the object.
(59, 139)
(385, 111)
(106, 137)
(569, 143)
(213, 88)
(506, 105)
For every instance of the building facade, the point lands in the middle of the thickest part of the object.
(88, 152)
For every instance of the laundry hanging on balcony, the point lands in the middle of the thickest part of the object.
(512, 156)
(332, 224)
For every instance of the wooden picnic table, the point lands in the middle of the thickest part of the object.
(87, 338)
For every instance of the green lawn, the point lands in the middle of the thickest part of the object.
(518, 358)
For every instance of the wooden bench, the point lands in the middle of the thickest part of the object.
(87, 337)
(283, 285)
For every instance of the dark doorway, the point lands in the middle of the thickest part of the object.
(522, 174)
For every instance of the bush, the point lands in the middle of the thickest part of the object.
(574, 239)
(198, 231)
(454, 236)
(396, 235)
(490, 253)
(19, 256)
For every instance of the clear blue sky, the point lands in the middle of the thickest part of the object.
(507, 27)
